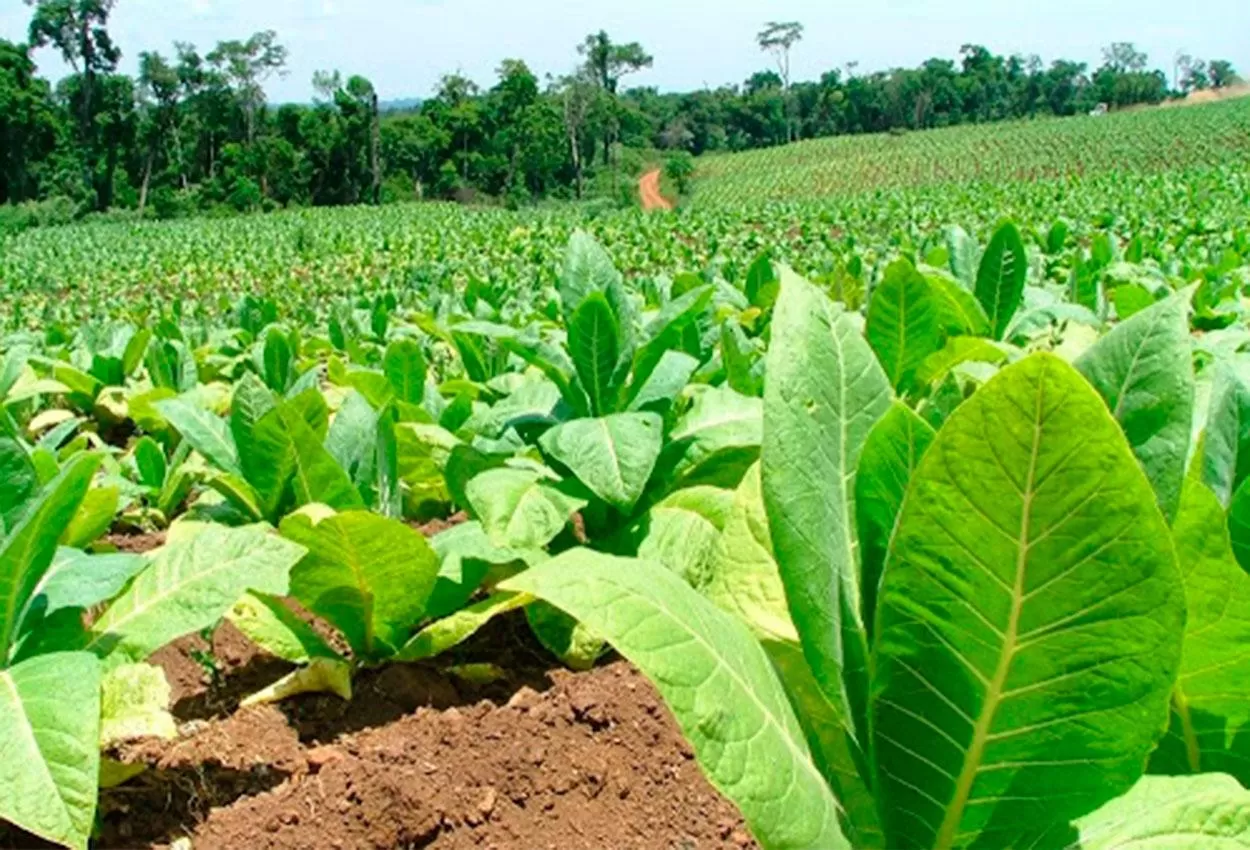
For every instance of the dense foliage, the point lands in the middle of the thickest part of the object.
(195, 132)
(924, 505)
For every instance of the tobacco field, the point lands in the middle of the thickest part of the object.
(911, 472)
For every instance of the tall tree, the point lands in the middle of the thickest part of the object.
(158, 95)
(1222, 74)
(247, 65)
(608, 63)
(79, 30)
(28, 125)
(1123, 57)
(778, 38)
(577, 93)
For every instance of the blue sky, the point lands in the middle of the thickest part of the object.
(404, 46)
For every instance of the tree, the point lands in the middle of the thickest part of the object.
(79, 30)
(247, 65)
(779, 38)
(1123, 57)
(607, 63)
(461, 111)
(158, 95)
(1193, 74)
(1222, 74)
(412, 145)
(28, 125)
(578, 94)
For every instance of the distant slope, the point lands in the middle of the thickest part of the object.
(1151, 140)
(403, 104)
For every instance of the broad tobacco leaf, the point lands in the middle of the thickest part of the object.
(1030, 619)
(825, 391)
(613, 456)
(1001, 277)
(369, 576)
(744, 578)
(520, 508)
(1226, 447)
(1182, 813)
(717, 680)
(190, 585)
(1210, 728)
(1144, 370)
(207, 433)
(596, 348)
(715, 441)
(903, 323)
(50, 729)
(27, 551)
(683, 532)
(890, 456)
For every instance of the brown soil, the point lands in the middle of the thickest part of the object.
(432, 527)
(420, 759)
(649, 189)
(136, 544)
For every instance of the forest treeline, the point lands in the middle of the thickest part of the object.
(193, 130)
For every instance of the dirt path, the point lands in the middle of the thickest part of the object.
(649, 189)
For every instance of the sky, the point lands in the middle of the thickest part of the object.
(405, 46)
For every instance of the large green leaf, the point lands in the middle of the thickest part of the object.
(1001, 276)
(276, 360)
(1030, 619)
(207, 433)
(251, 401)
(1210, 728)
(404, 366)
(1210, 812)
(903, 323)
(1144, 370)
(317, 476)
(716, 679)
(93, 519)
(50, 729)
(27, 552)
(744, 578)
(682, 531)
(20, 481)
(587, 269)
(825, 391)
(890, 456)
(595, 346)
(1226, 448)
(836, 753)
(467, 560)
(613, 456)
(959, 311)
(352, 441)
(964, 253)
(271, 625)
(664, 333)
(519, 508)
(369, 576)
(79, 580)
(455, 629)
(52, 619)
(190, 585)
(716, 441)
